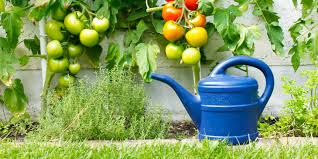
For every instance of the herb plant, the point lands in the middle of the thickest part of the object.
(300, 116)
(112, 107)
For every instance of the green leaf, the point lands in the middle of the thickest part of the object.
(307, 5)
(113, 55)
(240, 2)
(206, 7)
(20, 3)
(133, 37)
(295, 60)
(314, 52)
(276, 37)
(104, 10)
(33, 45)
(94, 54)
(237, 38)
(146, 58)
(141, 13)
(12, 24)
(158, 25)
(7, 69)
(297, 51)
(98, 4)
(37, 13)
(23, 60)
(295, 2)
(296, 28)
(210, 29)
(14, 97)
(264, 9)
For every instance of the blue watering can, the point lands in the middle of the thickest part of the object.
(227, 107)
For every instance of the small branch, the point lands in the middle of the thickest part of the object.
(48, 78)
(40, 56)
(154, 9)
(196, 69)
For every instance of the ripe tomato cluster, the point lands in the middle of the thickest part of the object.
(183, 19)
(70, 32)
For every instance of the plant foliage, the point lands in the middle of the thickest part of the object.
(112, 107)
(301, 111)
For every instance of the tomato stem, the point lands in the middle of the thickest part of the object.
(196, 69)
(48, 79)
(40, 56)
(154, 9)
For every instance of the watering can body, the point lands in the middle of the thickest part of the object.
(227, 107)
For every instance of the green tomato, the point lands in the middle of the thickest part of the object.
(75, 50)
(58, 65)
(174, 51)
(53, 30)
(191, 56)
(100, 25)
(54, 49)
(66, 80)
(74, 22)
(243, 8)
(74, 68)
(58, 13)
(89, 37)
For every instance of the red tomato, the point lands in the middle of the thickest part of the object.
(169, 12)
(191, 4)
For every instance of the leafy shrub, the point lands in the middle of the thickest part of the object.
(112, 107)
(300, 116)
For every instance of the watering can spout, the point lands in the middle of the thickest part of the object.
(191, 102)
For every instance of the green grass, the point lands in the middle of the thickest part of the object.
(170, 151)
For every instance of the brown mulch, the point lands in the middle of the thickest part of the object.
(182, 129)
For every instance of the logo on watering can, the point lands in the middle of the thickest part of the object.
(227, 107)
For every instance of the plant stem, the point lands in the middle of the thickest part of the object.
(154, 9)
(40, 56)
(48, 79)
(196, 69)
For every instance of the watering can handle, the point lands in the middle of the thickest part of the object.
(245, 60)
